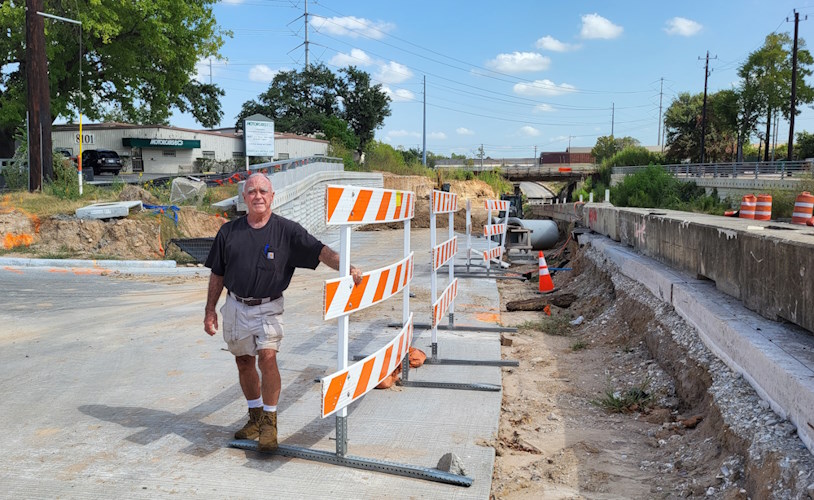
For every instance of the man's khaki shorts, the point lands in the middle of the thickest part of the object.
(247, 329)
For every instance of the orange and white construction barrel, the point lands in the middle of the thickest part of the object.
(803, 208)
(748, 204)
(763, 209)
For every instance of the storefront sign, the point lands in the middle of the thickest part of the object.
(258, 132)
(161, 143)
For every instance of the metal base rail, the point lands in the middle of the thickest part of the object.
(370, 464)
(450, 385)
(460, 328)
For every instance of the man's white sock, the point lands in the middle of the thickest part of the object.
(270, 408)
(255, 403)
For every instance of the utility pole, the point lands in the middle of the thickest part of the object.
(613, 119)
(210, 71)
(39, 98)
(424, 146)
(704, 110)
(306, 35)
(535, 153)
(661, 94)
(793, 85)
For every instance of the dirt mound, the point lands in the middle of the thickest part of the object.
(474, 190)
(135, 193)
(139, 237)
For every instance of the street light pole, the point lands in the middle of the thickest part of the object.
(79, 156)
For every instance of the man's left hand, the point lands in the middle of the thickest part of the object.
(356, 273)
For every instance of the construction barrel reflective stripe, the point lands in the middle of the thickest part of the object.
(342, 297)
(748, 204)
(442, 304)
(346, 386)
(803, 208)
(444, 202)
(355, 205)
(763, 209)
(443, 252)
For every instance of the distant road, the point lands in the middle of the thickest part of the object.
(535, 190)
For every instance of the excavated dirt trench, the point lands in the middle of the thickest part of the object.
(684, 425)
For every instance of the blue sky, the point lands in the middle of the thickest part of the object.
(512, 76)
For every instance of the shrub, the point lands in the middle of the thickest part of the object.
(65, 184)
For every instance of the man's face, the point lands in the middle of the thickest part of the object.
(258, 195)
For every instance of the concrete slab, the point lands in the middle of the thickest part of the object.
(109, 210)
(111, 388)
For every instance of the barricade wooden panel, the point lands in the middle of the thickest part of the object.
(346, 386)
(492, 253)
(356, 205)
(442, 304)
(499, 205)
(444, 202)
(342, 297)
(493, 229)
(443, 252)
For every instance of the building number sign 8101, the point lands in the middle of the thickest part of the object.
(86, 139)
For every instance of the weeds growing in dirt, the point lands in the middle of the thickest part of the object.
(633, 399)
(579, 345)
(555, 325)
(63, 253)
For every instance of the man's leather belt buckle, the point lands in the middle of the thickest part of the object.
(252, 302)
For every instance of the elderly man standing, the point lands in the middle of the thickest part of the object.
(254, 257)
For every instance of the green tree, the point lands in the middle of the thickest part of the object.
(335, 128)
(365, 106)
(683, 125)
(769, 72)
(607, 146)
(804, 147)
(138, 57)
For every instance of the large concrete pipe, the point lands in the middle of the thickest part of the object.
(544, 232)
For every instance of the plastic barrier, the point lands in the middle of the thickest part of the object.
(763, 209)
(748, 204)
(490, 230)
(442, 202)
(803, 208)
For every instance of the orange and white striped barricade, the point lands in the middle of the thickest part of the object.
(803, 208)
(490, 230)
(346, 206)
(446, 203)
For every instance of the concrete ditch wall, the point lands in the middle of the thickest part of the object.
(768, 266)
(304, 201)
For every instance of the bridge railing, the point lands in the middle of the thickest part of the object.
(756, 170)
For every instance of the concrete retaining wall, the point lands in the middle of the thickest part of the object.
(767, 265)
(304, 201)
(750, 345)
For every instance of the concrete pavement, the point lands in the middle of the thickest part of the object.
(111, 388)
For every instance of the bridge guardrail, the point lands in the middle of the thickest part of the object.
(756, 170)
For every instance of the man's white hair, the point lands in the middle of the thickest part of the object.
(257, 175)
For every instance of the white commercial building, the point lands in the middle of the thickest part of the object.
(160, 149)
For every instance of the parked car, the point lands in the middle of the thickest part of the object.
(101, 160)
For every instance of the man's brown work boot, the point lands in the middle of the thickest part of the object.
(268, 431)
(252, 428)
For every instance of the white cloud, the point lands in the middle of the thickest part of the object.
(398, 95)
(517, 62)
(464, 131)
(542, 87)
(262, 73)
(356, 57)
(403, 133)
(596, 26)
(392, 73)
(439, 136)
(550, 43)
(529, 131)
(682, 26)
(232, 2)
(544, 108)
(351, 26)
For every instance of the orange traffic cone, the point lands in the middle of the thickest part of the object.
(546, 284)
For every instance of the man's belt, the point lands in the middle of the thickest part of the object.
(250, 301)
